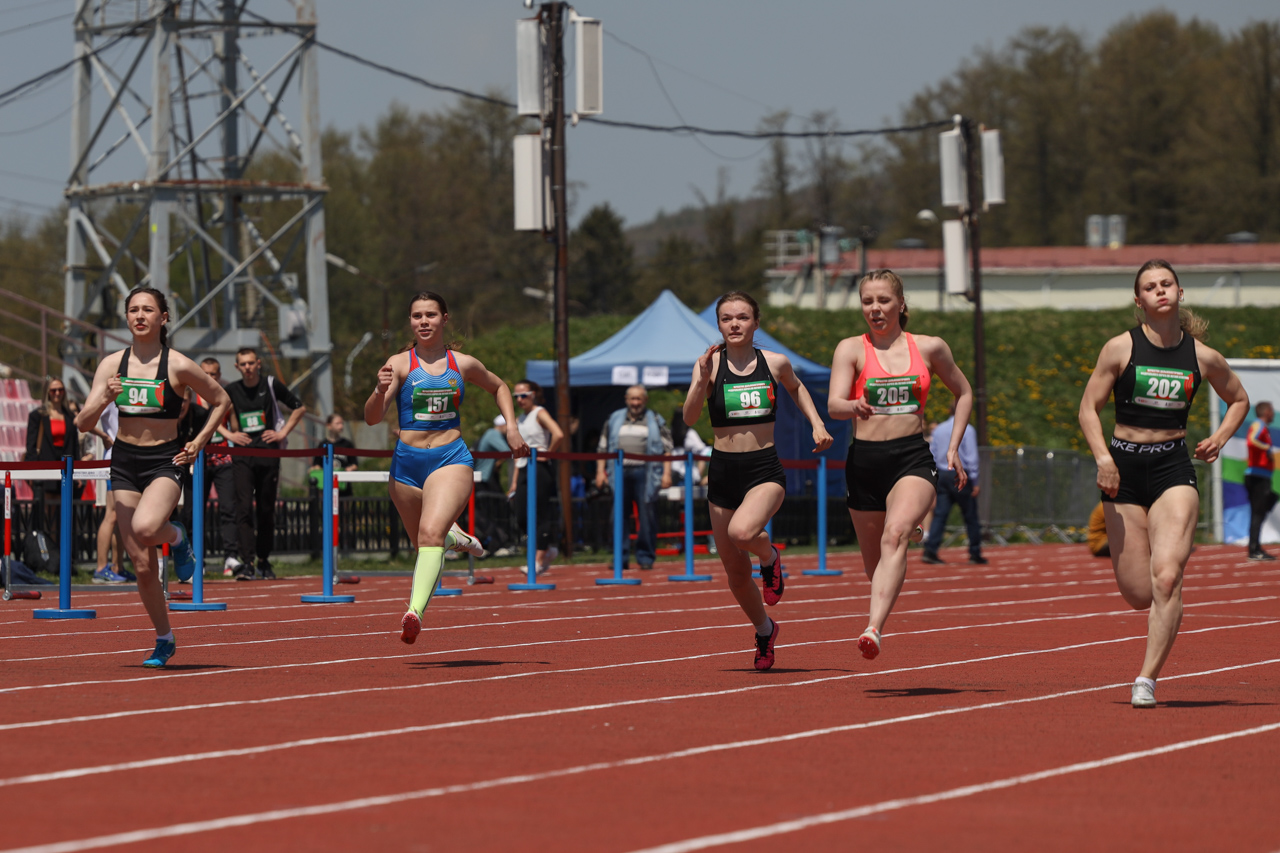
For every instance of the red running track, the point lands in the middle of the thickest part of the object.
(622, 719)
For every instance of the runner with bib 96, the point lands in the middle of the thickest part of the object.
(881, 380)
(1150, 495)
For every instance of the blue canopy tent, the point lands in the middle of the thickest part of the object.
(658, 348)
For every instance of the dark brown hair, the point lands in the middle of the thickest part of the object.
(1189, 321)
(428, 296)
(895, 284)
(161, 303)
(534, 387)
(738, 296)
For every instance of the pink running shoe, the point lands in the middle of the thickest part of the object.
(771, 580)
(869, 643)
(410, 627)
(764, 648)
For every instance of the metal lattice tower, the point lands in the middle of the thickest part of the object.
(197, 88)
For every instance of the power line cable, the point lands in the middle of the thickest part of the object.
(35, 24)
(29, 6)
(10, 95)
(689, 73)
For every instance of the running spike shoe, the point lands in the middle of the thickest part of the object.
(163, 651)
(917, 535)
(764, 648)
(869, 643)
(467, 544)
(1143, 696)
(771, 580)
(184, 559)
(410, 627)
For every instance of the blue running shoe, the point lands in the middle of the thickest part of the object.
(106, 575)
(160, 657)
(184, 559)
(129, 577)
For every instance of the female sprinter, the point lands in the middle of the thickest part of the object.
(425, 380)
(1150, 496)
(745, 483)
(540, 431)
(148, 382)
(882, 379)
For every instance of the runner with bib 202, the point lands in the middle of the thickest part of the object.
(149, 462)
(745, 482)
(1150, 493)
(426, 382)
(881, 379)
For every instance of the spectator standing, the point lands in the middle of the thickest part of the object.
(637, 429)
(51, 434)
(684, 438)
(541, 432)
(493, 441)
(109, 571)
(218, 472)
(1257, 477)
(334, 427)
(256, 421)
(948, 494)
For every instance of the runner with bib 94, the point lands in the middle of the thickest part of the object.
(881, 380)
(1150, 494)
(432, 469)
(745, 482)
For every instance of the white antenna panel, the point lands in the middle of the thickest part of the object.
(530, 88)
(950, 158)
(955, 251)
(590, 71)
(992, 168)
(530, 206)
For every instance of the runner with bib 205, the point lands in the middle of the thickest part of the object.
(1149, 488)
(881, 380)
(426, 382)
(147, 382)
(745, 482)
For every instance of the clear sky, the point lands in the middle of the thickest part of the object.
(725, 63)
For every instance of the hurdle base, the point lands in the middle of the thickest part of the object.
(328, 599)
(618, 581)
(688, 577)
(823, 573)
(445, 591)
(65, 614)
(530, 586)
(197, 605)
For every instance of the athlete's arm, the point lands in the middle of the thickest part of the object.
(844, 370)
(703, 370)
(191, 376)
(477, 374)
(106, 387)
(549, 424)
(389, 379)
(780, 367)
(1115, 353)
(940, 360)
(1224, 380)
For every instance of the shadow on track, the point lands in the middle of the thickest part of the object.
(461, 664)
(906, 692)
(183, 667)
(1207, 703)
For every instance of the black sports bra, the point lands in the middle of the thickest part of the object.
(1158, 385)
(148, 398)
(742, 400)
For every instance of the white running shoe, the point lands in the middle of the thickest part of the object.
(1144, 695)
(467, 544)
(230, 566)
(917, 535)
(869, 643)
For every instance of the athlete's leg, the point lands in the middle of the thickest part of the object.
(144, 524)
(105, 532)
(1129, 540)
(746, 529)
(908, 501)
(737, 566)
(448, 489)
(1172, 525)
(868, 527)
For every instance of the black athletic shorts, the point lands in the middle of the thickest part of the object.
(731, 475)
(133, 467)
(1147, 471)
(873, 467)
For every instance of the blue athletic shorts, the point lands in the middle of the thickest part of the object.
(412, 466)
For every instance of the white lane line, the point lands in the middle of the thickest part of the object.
(353, 691)
(169, 760)
(797, 825)
(232, 821)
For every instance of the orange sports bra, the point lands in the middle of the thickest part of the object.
(890, 394)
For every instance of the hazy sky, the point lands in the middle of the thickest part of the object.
(725, 63)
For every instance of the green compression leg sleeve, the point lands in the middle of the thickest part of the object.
(425, 574)
(451, 541)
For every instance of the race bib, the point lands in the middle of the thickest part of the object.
(1166, 388)
(748, 399)
(140, 396)
(253, 421)
(894, 395)
(434, 404)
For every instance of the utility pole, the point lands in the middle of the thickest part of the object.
(968, 131)
(554, 17)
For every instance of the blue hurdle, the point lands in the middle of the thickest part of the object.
(688, 525)
(329, 495)
(618, 530)
(197, 601)
(531, 527)
(822, 570)
(64, 609)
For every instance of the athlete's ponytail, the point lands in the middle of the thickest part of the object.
(161, 303)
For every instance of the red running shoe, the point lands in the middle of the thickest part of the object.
(764, 648)
(410, 627)
(869, 643)
(771, 580)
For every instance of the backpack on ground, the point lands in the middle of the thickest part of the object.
(38, 554)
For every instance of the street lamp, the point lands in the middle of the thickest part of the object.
(928, 217)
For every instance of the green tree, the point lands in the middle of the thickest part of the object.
(602, 275)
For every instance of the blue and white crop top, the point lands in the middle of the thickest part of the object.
(429, 402)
